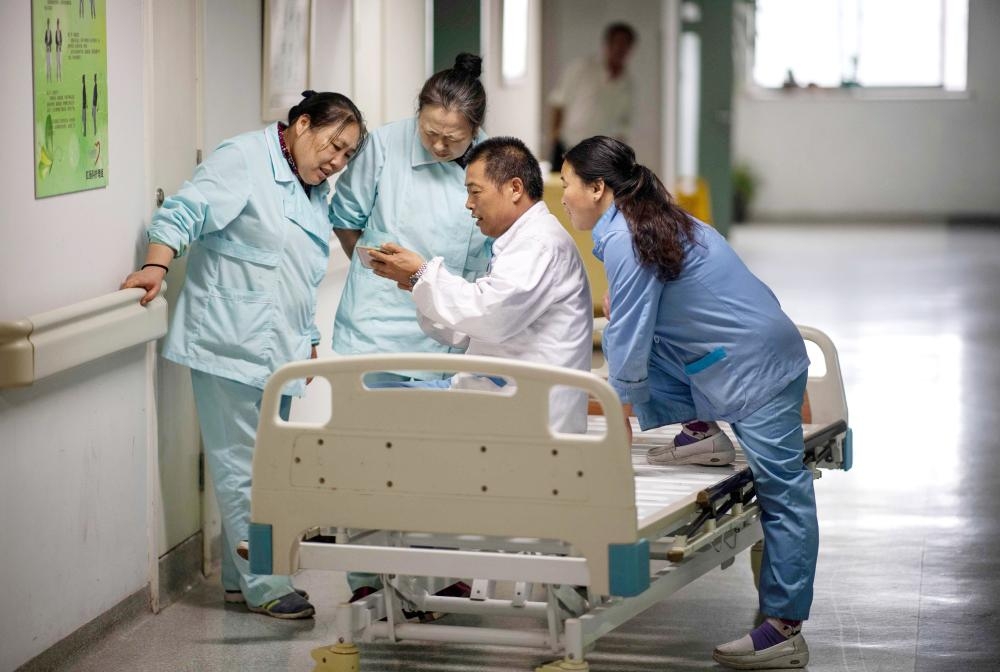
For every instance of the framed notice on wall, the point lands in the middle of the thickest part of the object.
(287, 32)
(70, 67)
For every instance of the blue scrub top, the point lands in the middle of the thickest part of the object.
(716, 331)
(395, 191)
(260, 250)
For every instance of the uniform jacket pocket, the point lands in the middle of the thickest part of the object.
(237, 324)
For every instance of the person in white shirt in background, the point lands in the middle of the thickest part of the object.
(534, 302)
(594, 95)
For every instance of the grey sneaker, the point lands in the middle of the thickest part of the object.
(698, 443)
(739, 654)
(288, 606)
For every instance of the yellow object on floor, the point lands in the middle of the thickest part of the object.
(337, 658)
(693, 194)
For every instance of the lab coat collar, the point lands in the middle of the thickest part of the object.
(539, 209)
(283, 172)
(602, 229)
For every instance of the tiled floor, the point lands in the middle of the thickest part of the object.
(909, 576)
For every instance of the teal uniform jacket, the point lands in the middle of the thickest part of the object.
(715, 335)
(258, 251)
(395, 191)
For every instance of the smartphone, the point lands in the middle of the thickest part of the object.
(364, 254)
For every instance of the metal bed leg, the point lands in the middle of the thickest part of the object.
(756, 557)
(574, 651)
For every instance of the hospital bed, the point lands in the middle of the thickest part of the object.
(574, 532)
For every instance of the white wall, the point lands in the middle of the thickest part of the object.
(389, 58)
(828, 157)
(231, 69)
(574, 28)
(515, 109)
(73, 492)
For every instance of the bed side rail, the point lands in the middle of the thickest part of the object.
(829, 439)
(444, 461)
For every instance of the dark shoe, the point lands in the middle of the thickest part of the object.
(237, 597)
(288, 606)
(362, 592)
(457, 589)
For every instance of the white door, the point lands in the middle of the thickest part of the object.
(173, 99)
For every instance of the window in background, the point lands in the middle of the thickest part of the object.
(514, 42)
(866, 43)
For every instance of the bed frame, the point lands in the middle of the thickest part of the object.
(424, 485)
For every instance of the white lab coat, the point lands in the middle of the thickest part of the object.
(532, 305)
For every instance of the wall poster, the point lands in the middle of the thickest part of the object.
(287, 29)
(70, 67)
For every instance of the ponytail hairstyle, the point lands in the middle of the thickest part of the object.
(458, 88)
(330, 109)
(660, 228)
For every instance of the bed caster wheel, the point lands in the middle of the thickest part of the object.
(337, 658)
(565, 665)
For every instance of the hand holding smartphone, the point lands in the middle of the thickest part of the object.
(364, 254)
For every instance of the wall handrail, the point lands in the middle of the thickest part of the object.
(46, 343)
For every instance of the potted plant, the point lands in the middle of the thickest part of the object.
(745, 183)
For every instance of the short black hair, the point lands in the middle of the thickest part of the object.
(507, 158)
(620, 27)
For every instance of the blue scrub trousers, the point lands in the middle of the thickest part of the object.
(772, 441)
(228, 413)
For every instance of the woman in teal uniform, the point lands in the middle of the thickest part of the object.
(255, 218)
(694, 334)
(407, 186)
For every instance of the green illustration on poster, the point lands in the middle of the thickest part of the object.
(70, 67)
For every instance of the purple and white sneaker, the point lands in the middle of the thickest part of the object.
(773, 645)
(698, 443)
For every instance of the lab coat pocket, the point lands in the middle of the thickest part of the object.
(237, 324)
(699, 365)
(713, 379)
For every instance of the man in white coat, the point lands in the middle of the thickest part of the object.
(533, 304)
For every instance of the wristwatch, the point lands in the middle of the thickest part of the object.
(416, 276)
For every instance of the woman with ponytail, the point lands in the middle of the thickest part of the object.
(254, 216)
(408, 187)
(692, 333)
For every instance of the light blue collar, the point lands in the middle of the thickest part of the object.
(602, 230)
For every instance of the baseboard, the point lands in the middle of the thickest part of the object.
(59, 654)
(180, 568)
(975, 220)
(847, 218)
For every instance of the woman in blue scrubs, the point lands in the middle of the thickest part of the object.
(694, 334)
(255, 218)
(407, 186)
